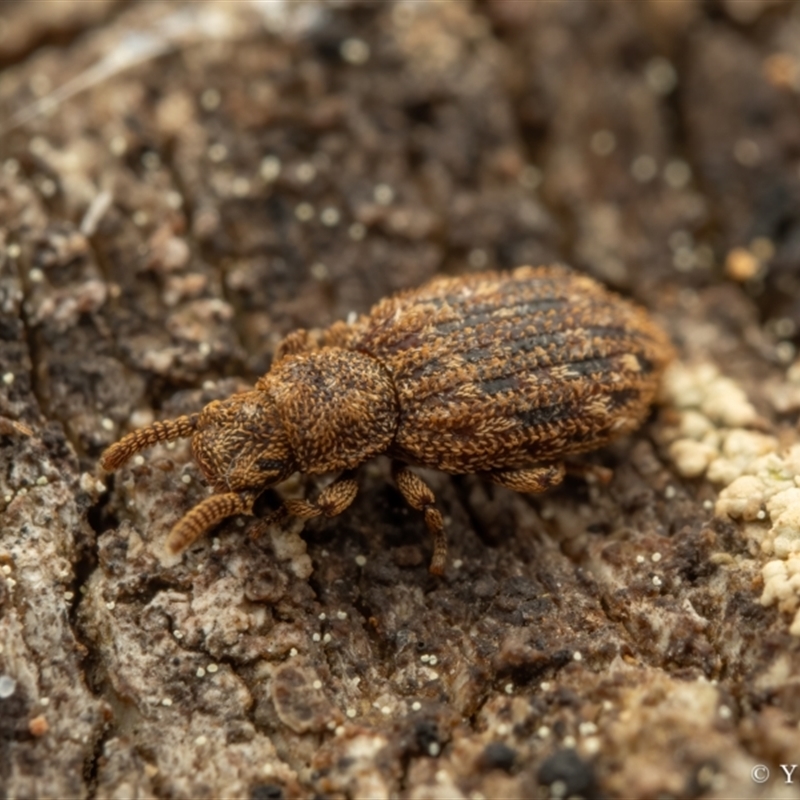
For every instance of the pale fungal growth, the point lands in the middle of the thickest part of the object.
(768, 493)
(760, 483)
(782, 586)
(711, 437)
(692, 458)
(702, 388)
(743, 499)
(740, 450)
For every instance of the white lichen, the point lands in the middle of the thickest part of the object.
(759, 482)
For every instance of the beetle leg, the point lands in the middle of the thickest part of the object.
(260, 526)
(332, 499)
(601, 475)
(532, 479)
(418, 495)
(298, 341)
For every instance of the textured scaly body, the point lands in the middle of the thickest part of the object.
(501, 374)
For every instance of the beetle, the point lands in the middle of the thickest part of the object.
(500, 374)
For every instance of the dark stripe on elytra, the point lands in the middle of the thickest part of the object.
(479, 355)
(556, 348)
(622, 397)
(516, 291)
(497, 385)
(590, 366)
(579, 369)
(480, 315)
(512, 294)
(598, 366)
(546, 415)
(598, 363)
(559, 338)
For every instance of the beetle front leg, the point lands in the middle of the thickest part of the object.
(332, 499)
(532, 479)
(418, 495)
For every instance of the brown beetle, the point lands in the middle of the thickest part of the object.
(499, 374)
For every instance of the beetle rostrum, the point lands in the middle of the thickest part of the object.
(504, 375)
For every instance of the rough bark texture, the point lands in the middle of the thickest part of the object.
(183, 185)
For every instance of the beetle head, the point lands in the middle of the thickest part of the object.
(239, 444)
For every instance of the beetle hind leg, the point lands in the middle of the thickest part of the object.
(531, 479)
(418, 495)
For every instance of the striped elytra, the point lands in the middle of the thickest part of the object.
(501, 374)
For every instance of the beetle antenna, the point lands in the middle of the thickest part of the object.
(204, 516)
(130, 444)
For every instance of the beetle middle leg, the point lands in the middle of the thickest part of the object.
(531, 479)
(418, 495)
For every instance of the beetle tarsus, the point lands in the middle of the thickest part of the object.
(332, 499)
(418, 495)
(531, 479)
